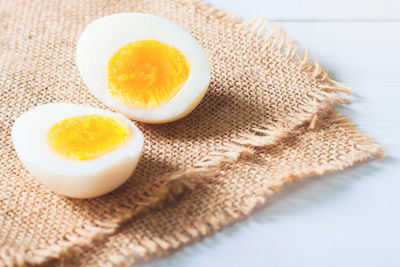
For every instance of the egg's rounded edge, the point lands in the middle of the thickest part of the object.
(88, 187)
(69, 182)
(184, 102)
(187, 110)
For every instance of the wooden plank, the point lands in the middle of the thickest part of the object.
(343, 219)
(364, 56)
(315, 9)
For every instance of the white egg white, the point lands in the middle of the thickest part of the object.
(73, 178)
(105, 36)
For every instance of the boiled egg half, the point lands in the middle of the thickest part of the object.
(143, 66)
(75, 150)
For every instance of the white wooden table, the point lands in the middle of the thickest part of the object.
(350, 218)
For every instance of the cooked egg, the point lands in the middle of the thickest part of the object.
(75, 150)
(143, 66)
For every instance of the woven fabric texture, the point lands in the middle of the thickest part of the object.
(238, 188)
(261, 93)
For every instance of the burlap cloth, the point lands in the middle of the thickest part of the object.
(266, 120)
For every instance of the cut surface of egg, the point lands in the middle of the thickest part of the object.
(75, 150)
(143, 66)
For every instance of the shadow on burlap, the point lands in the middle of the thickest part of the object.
(256, 129)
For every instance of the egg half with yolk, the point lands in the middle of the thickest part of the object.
(143, 66)
(75, 150)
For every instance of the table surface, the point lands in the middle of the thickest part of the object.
(351, 218)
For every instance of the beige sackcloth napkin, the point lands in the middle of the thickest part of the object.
(266, 120)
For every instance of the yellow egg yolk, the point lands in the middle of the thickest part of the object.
(146, 73)
(87, 136)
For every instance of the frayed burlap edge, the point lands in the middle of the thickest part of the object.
(212, 223)
(174, 184)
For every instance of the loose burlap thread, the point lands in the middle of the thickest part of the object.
(266, 120)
